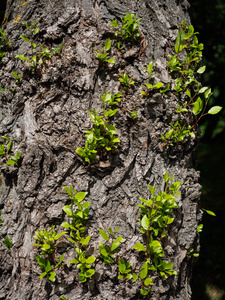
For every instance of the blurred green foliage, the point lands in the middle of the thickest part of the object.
(208, 18)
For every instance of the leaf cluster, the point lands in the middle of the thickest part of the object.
(8, 243)
(78, 214)
(47, 268)
(17, 76)
(102, 54)
(40, 56)
(151, 87)
(103, 136)
(126, 271)
(4, 44)
(177, 133)
(156, 215)
(126, 81)
(185, 67)
(128, 30)
(6, 151)
(106, 250)
(111, 99)
(46, 241)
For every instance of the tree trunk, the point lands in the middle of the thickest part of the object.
(45, 115)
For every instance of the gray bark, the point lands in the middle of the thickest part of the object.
(47, 117)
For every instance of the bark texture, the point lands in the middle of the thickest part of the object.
(46, 117)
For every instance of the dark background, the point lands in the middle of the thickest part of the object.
(208, 280)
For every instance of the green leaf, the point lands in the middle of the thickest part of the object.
(139, 247)
(116, 243)
(52, 276)
(86, 204)
(103, 250)
(198, 105)
(81, 152)
(148, 85)
(145, 222)
(143, 93)
(104, 234)
(188, 93)
(80, 196)
(199, 228)
(107, 44)
(72, 241)
(74, 261)
(135, 277)
(25, 39)
(150, 67)
(110, 230)
(61, 258)
(67, 210)
(144, 292)
(114, 23)
(196, 254)
(89, 273)
(214, 110)
(148, 281)
(111, 61)
(158, 85)
(116, 140)
(201, 70)
(8, 242)
(203, 89)
(65, 225)
(10, 162)
(43, 275)
(59, 235)
(46, 247)
(22, 57)
(144, 270)
(36, 31)
(90, 260)
(208, 93)
(169, 133)
(86, 241)
(209, 212)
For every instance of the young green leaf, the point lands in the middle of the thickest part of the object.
(25, 39)
(139, 247)
(114, 23)
(148, 281)
(89, 273)
(67, 210)
(104, 234)
(201, 70)
(116, 243)
(145, 222)
(150, 67)
(90, 260)
(80, 196)
(144, 270)
(214, 110)
(108, 44)
(199, 228)
(211, 213)
(22, 57)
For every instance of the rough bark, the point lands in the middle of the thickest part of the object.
(46, 117)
